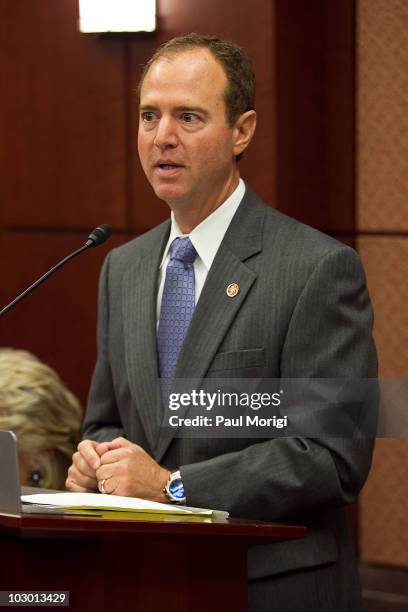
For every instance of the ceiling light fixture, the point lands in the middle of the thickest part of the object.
(117, 16)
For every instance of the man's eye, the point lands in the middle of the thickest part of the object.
(189, 117)
(148, 116)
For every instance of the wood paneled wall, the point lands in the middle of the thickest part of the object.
(68, 158)
(315, 72)
(383, 243)
(63, 171)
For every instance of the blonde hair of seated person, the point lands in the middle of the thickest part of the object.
(44, 415)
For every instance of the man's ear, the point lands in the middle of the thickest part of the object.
(243, 131)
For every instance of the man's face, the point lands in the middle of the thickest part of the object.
(186, 146)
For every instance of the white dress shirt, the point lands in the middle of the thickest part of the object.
(206, 239)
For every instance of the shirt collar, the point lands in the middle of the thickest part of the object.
(207, 236)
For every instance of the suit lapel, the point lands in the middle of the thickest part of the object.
(139, 316)
(215, 310)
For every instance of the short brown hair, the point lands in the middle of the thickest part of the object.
(240, 93)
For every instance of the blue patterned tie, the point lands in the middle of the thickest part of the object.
(177, 308)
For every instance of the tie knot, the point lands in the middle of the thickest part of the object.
(183, 250)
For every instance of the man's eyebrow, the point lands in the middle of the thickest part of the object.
(178, 109)
(191, 109)
(147, 107)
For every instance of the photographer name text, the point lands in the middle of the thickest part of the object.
(221, 421)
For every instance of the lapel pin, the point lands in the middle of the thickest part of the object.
(232, 290)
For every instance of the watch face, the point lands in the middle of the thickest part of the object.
(176, 489)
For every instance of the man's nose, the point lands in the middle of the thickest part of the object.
(166, 133)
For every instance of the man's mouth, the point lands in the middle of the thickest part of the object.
(168, 166)
(168, 170)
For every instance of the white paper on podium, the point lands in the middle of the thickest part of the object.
(99, 501)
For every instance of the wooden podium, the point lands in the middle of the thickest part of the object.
(166, 565)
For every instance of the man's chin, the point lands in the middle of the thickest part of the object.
(171, 194)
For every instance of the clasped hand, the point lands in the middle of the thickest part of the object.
(118, 467)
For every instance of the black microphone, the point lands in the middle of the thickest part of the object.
(98, 236)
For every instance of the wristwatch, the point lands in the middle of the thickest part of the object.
(174, 489)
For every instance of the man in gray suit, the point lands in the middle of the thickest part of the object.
(273, 299)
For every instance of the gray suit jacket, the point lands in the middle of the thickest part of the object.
(303, 311)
